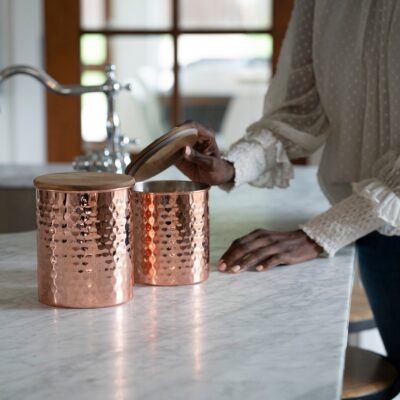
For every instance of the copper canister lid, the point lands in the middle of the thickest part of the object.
(83, 181)
(162, 153)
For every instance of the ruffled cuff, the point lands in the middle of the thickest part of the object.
(248, 160)
(261, 161)
(383, 191)
(384, 199)
(374, 205)
(342, 224)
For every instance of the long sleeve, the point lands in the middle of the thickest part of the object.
(374, 205)
(293, 123)
(335, 83)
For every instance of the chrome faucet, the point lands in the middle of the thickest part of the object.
(114, 158)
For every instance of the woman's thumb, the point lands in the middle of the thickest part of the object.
(198, 158)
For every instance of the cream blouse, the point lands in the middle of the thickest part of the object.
(338, 84)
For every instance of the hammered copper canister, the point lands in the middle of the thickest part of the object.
(84, 232)
(171, 232)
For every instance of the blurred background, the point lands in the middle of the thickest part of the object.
(214, 67)
(209, 61)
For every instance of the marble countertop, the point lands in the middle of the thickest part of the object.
(279, 334)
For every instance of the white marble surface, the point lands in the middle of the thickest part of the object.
(279, 334)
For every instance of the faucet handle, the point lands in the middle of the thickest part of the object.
(110, 70)
(127, 86)
(112, 82)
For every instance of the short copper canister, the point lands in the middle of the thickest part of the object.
(84, 239)
(171, 232)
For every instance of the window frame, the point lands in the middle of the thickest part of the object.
(63, 115)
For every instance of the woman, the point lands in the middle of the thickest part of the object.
(338, 84)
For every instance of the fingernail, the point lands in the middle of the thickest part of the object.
(222, 267)
(236, 268)
(188, 150)
(259, 268)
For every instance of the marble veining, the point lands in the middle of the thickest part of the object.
(279, 334)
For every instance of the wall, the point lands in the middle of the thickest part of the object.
(22, 100)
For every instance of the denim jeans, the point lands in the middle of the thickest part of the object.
(379, 258)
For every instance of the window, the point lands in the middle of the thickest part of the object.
(187, 60)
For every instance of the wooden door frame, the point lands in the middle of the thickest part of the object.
(62, 61)
(282, 10)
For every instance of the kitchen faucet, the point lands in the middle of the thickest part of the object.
(114, 158)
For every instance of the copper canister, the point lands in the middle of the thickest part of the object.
(84, 235)
(171, 232)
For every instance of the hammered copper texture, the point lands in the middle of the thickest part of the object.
(171, 238)
(84, 248)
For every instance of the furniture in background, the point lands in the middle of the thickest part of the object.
(17, 195)
(367, 375)
(361, 317)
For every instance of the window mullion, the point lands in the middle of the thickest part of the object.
(175, 109)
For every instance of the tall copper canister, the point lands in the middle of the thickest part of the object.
(171, 232)
(84, 239)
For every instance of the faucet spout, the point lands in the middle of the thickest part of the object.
(114, 158)
(47, 80)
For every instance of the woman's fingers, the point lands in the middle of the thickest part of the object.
(206, 143)
(263, 250)
(274, 261)
(203, 131)
(205, 168)
(254, 235)
(191, 160)
(245, 252)
(185, 166)
(257, 257)
(200, 159)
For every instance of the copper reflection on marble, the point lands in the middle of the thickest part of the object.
(84, 247)
(171, 232)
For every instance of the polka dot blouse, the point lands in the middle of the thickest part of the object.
(338, 85)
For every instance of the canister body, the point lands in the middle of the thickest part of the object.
(84, 247)
(171, 232)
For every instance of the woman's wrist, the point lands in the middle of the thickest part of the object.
(230, 172)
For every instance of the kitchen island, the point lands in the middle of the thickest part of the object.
(17, 194)
(279, 334)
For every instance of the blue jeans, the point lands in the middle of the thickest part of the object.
(379, 258)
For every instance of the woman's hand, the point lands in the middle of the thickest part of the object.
(203, 162)
(263, 250)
